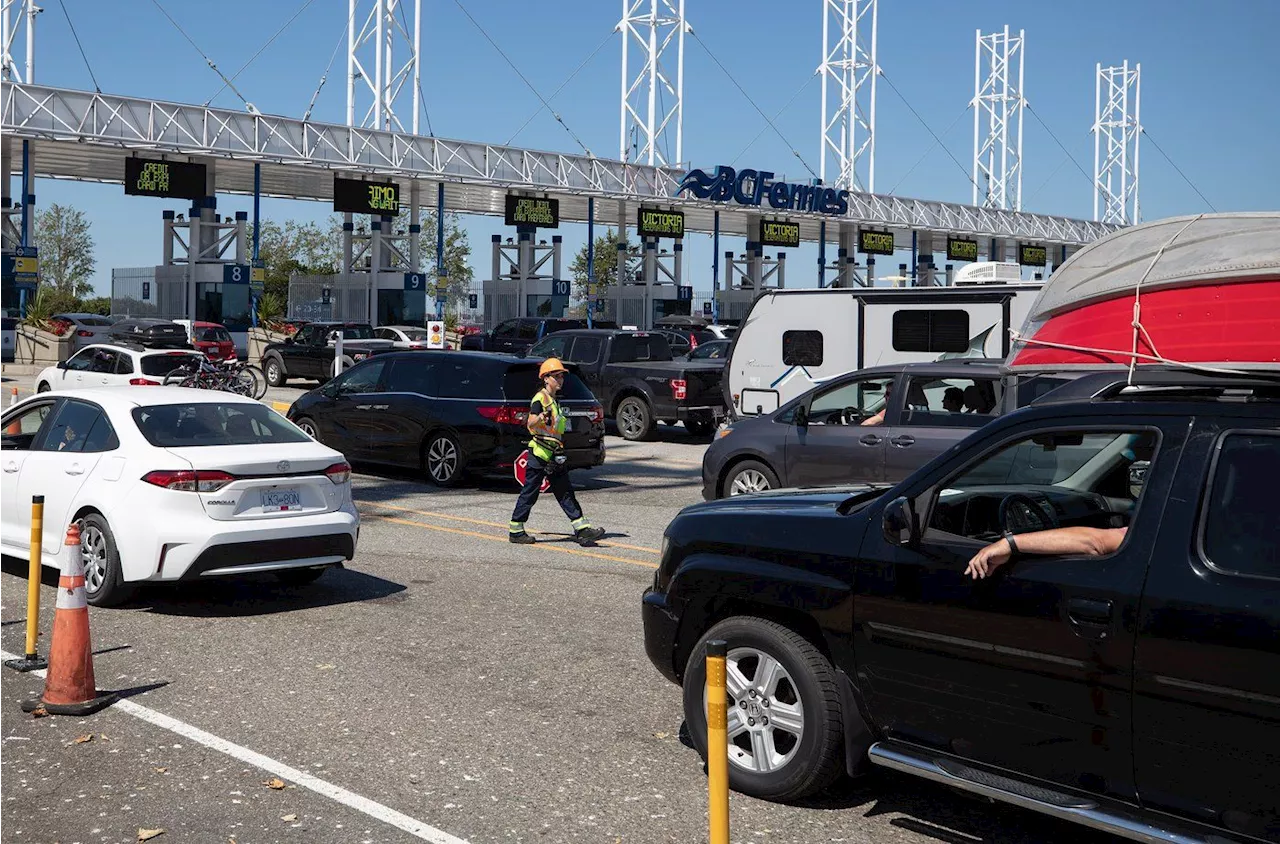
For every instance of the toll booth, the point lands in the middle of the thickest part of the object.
(520, 284)
(747, 275)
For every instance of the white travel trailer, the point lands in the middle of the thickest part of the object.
(793, 339)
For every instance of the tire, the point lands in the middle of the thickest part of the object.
(803, 757)
(442, 460)
(747, 477)
(259, 380)
(634, 419)
(308, 427)
(43, 387)
(276, 374)
(699, 427)
(300, 577)
(176, 377)
(104, 584)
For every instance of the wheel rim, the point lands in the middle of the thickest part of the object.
(748, 481)
(93, 551)
(442, 459)
(310, 430)
(44, 388)
(765, 712)
(629, 419)
(273, 372)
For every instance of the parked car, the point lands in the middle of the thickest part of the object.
(114, 365)
(173, 484)
(210, 338)
(446, 414)
(723, 332)
(150, 331)
(710, 350)
(402, 336)
(310, 352)
(684, 341)
(1133, 692)
(516, 336)
(87, 329)
(636, 379)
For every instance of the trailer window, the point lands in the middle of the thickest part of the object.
(802, 348)
(931, 331)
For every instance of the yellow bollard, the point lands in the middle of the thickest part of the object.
(717, 743)
(32, 660)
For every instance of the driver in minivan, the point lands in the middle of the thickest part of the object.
(1063, 542)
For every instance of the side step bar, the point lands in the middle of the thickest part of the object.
(948, 771)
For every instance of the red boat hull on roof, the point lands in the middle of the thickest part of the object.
(1237, 322)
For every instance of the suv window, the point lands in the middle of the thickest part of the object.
(849, 402)
(466, 379)
(506, 329)
(527, 330)
(411, 375)
(552, 346)
(1047, 471)
(586, 349)
(81, 361)
(931, 331)
(521, 383)
(73, 427)
(950, 402)
(802, 348)
(362, 378)
(124, 364)
(104, 360)
(1240, 533)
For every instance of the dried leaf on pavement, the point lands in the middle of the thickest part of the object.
(289, 818)
(161, 770)
(274, 782)
(148, 834)
(661, 735)
(39, 712)
(82, 739)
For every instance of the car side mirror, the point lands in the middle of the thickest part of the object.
(62, 364)
(288, 341)
(900, 524)
(802, 416)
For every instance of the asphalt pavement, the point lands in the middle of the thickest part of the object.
(445, 686)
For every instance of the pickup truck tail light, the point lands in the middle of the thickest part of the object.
(143, 382)
(505, 414)
(679, 388)
(339, 473)
(185, 480)
(597, 414)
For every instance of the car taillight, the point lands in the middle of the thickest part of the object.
(143, 382)
(185, 480)
(679, 388)
(597, 413)
(505, 415)
(83, 333)
(339, 473)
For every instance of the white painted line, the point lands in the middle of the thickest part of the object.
(373, 809)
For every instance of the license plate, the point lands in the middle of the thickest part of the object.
(275, 500)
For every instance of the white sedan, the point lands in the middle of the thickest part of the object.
(173, 484)
(402, 336)
(104, 365)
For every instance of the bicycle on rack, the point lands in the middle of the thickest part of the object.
(237, 377)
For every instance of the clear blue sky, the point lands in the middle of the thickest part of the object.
(1210, 97)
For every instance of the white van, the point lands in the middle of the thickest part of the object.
(793, 339)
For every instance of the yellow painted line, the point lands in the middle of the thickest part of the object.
(489, 537)
(499, 525)
(281, 406)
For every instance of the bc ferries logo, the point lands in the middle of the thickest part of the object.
(754, 187)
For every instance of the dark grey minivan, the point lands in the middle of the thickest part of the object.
(874, 425)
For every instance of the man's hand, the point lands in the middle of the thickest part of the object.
(990, 558)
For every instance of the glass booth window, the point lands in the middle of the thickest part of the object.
(402, 307)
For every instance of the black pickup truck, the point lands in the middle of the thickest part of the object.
(310, 353)
(516, 336)
(1136, 692)
(634, 377)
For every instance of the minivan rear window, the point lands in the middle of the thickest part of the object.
(212, 423)
(521, 383)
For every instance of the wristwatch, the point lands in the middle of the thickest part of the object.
(1013, 545)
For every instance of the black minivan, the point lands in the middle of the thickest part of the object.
(447, 414)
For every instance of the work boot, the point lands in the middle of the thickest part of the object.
(588, 535)
(521, 538)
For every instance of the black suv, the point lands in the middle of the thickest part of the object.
(1136, 691)
(447, 414)
(516, 336)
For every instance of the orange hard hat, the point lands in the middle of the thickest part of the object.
(550, 366)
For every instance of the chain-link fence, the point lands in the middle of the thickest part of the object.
(329, 297)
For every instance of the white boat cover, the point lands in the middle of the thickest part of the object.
(1210, 248)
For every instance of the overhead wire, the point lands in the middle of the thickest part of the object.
(76, 36)
(800, 90)
(1179, 169)
(945, 149)
(261, 50)
(523, 78)
(557, 91)
(759, 111)
(936, 142)
(207, 60)
(324, 77)
(1061, 146)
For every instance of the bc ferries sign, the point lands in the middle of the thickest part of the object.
(755, 187)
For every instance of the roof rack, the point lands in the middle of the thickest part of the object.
(1162, 383)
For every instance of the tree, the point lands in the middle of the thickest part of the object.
(295, 247)
(457, 254)
(66, 250)
(606, 264)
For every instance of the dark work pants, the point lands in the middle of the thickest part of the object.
(560, 487)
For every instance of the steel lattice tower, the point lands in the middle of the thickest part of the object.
(376, 31)
(656, 27)
(997, 108)
(1116, 132)
(18, 15)
(849, 72)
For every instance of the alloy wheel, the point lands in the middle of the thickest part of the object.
(765, 713)
(93, 552)
(442, 460)
(629, 420)
(308, 427)
(748, 481)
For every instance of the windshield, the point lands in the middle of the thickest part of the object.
(191, 425)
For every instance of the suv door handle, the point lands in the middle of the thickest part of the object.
(870, 439)
(1089, 618)
(904, 441)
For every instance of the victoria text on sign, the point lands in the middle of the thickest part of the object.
(752, 187)
(533, 211)
(779, 233)
(653, 222)
(1032, 256)
(351, 196)
(875, 243)
(959, 249)
(145, 177)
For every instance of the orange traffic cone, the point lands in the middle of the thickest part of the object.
(69, 687)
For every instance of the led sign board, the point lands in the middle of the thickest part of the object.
(145, 177)
(755, 187)
(779, 233)
(654, 222)
(1032, 256)
(875, 243)
(351, 196)
(533, 211)
(959, 249)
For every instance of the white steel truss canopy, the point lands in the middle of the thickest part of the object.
(86, 136)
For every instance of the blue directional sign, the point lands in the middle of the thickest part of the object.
(473, 301)
(560, 288)
(684, 293)
(415, 281)
(236, 274)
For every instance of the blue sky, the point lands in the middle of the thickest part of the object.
(1211, 74)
